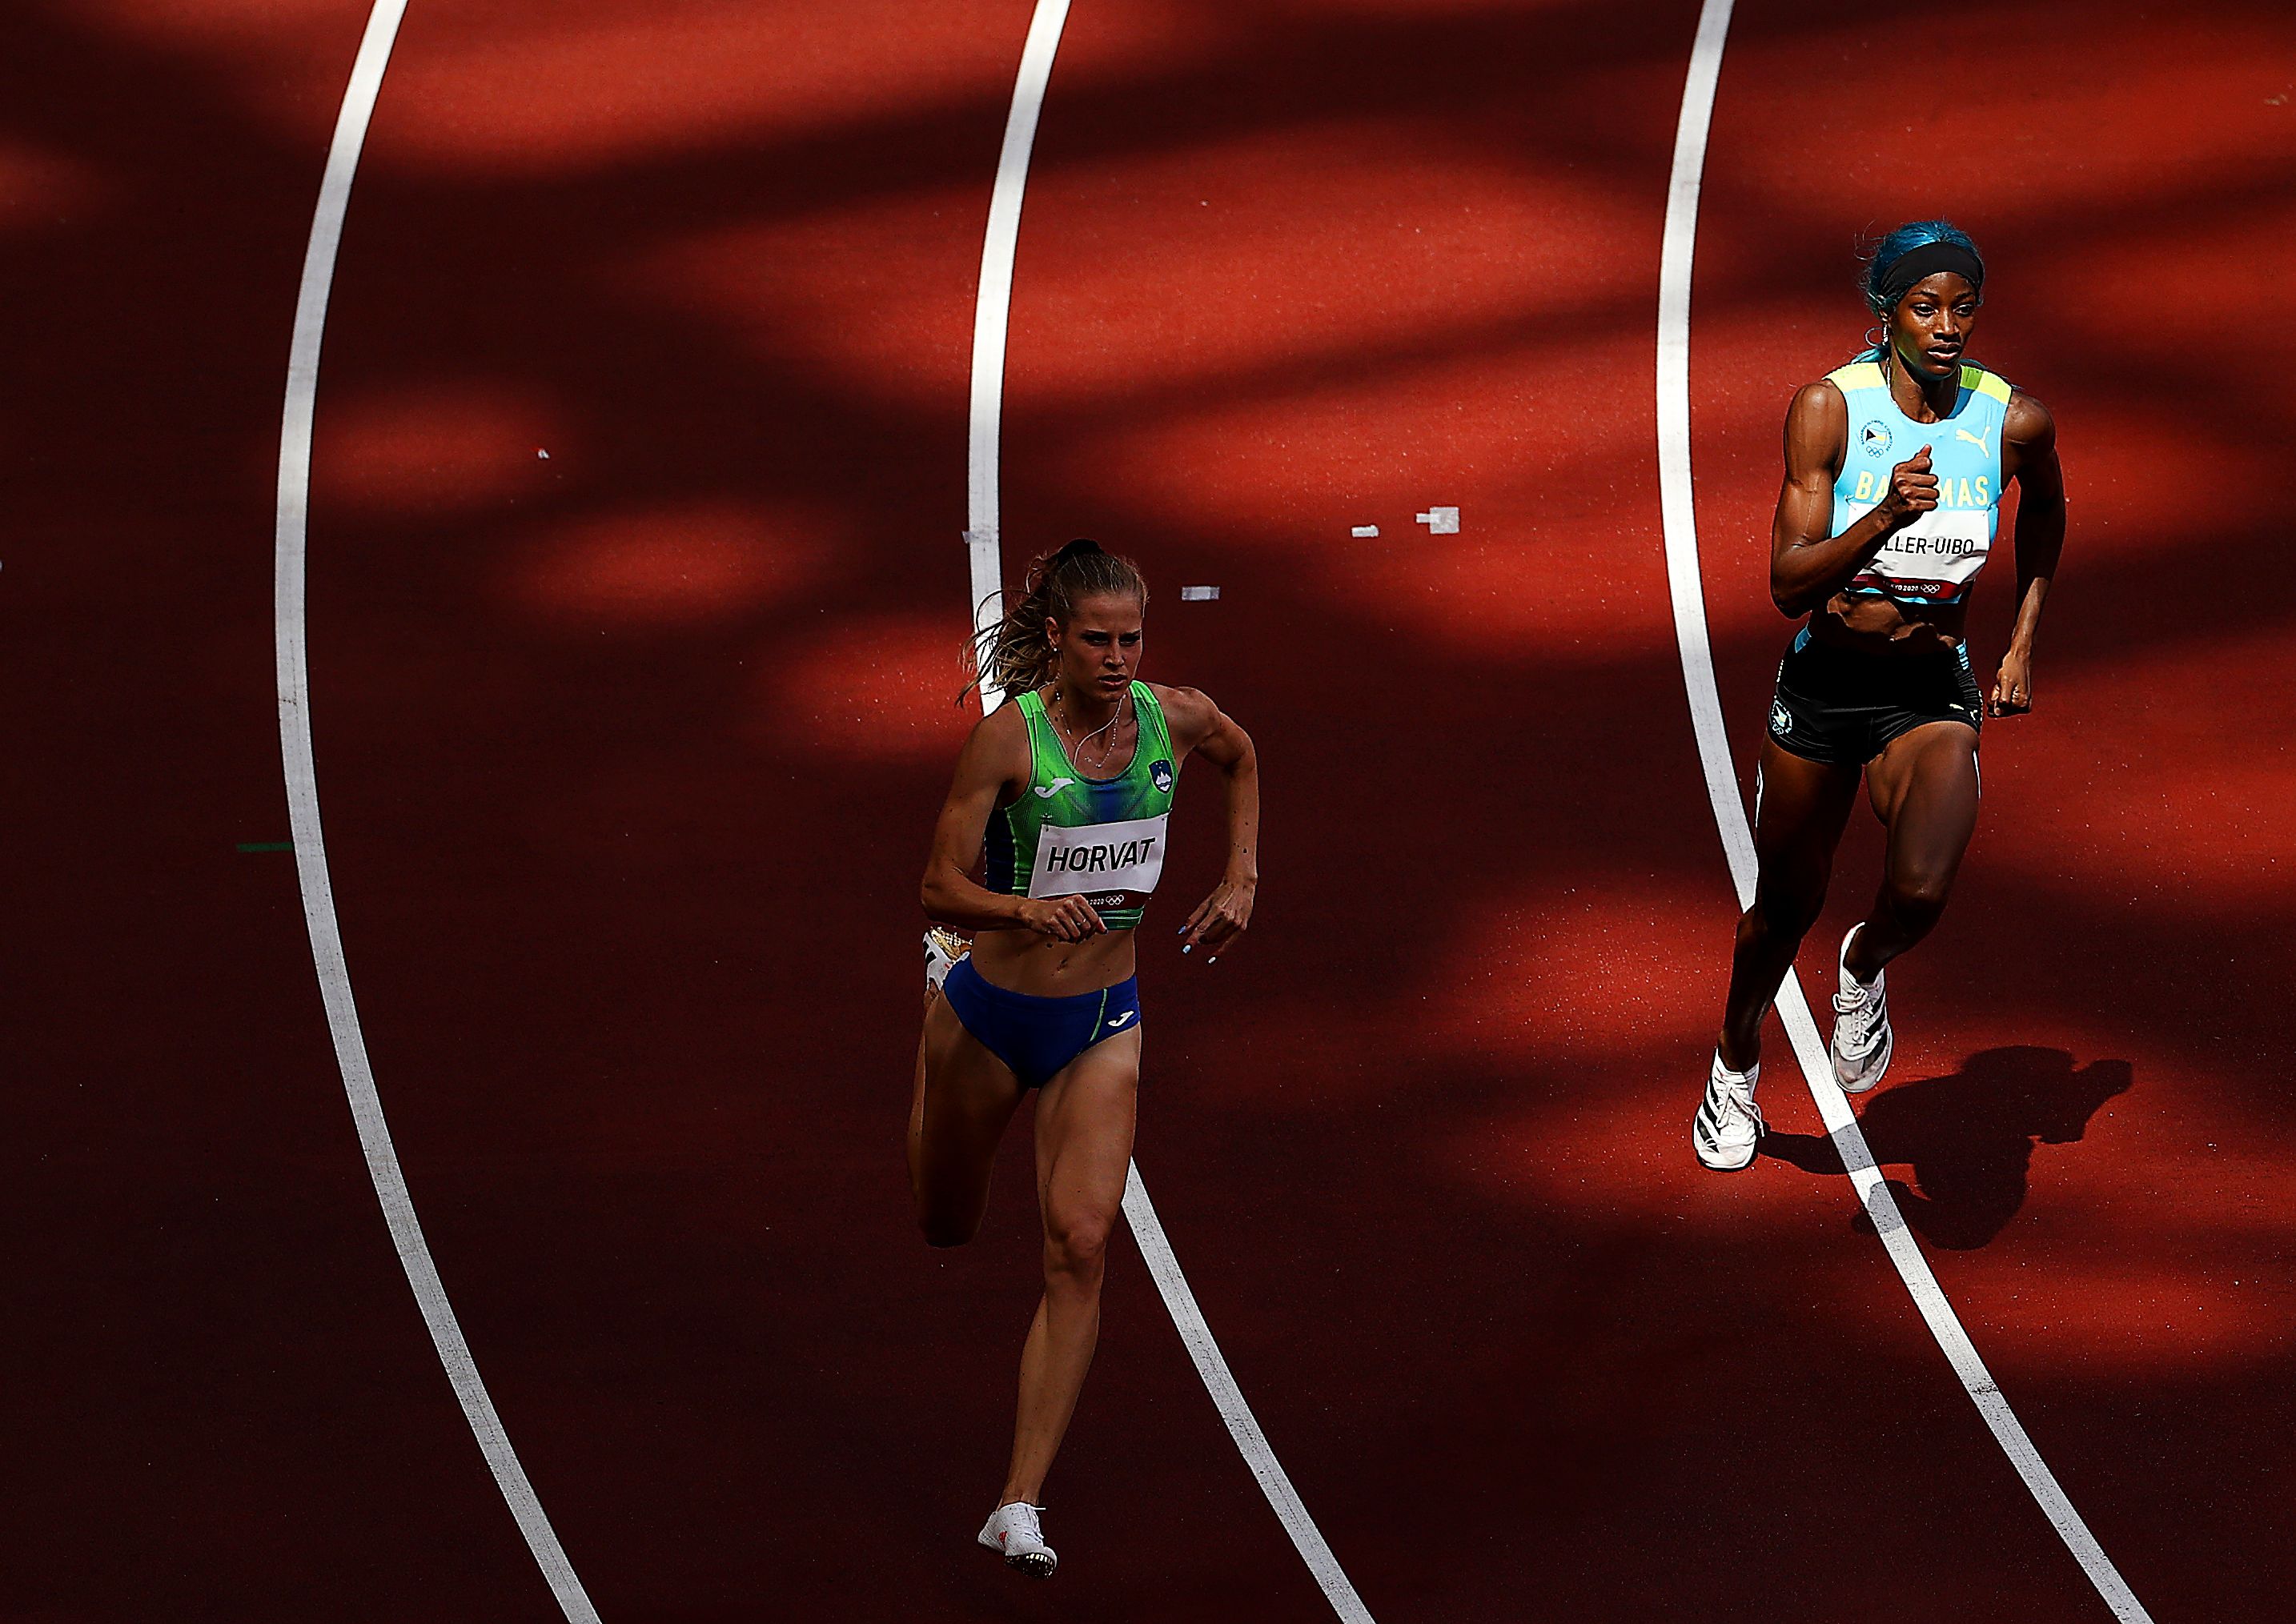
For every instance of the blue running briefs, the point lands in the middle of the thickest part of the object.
(1036, 1037)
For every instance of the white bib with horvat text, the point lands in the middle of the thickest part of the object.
(1109, 865)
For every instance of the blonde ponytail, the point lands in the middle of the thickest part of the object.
(1015, 654)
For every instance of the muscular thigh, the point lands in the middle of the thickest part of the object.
(969, 1095)
(1925, 791)
(1800, 811)
(1085, 1120)
(1927, 774)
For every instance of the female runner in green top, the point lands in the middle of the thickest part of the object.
(1059, 802)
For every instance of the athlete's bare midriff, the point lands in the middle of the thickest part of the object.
(1023, 961)
(1872, 625)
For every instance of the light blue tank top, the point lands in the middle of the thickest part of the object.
(1933, 559)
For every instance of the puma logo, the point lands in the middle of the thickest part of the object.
(1977, 439)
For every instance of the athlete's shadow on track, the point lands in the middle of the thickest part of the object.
(1970, 1137)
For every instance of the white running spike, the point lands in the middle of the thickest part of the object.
(1015, 1533)
(1863, 1041)
(1729, 1124)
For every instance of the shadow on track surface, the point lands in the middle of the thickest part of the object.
(628, 756)
(220, 1399)
(1969, 1137)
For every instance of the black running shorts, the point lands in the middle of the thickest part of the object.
(1842, 708)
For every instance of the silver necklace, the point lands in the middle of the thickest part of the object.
(1060, 703)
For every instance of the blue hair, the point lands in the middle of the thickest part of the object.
(1896, 246)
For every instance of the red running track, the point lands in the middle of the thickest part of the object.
(627, 757)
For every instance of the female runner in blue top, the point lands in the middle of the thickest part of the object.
(1895, 469)
(1060, 803)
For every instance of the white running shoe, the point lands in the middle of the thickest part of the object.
(1729, 1124)
(1863, 1041)
(943, 947)
(1016, 1534)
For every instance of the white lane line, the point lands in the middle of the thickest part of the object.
(990, 320)
(992, 313)
(1227, 1398)
(310, 845)
(1678, 519)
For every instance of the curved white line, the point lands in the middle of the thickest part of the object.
(1676, 507)
(990, 321)
(310, 846)
(992, 313)
(1229, 1398)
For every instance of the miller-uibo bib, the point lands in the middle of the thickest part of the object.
(1934, 559)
